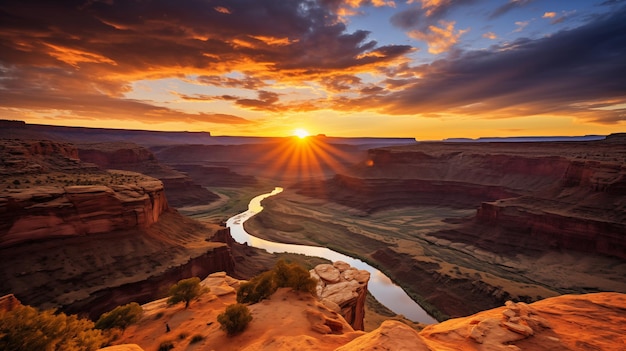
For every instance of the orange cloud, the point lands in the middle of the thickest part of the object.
(439, 39)
(549, 15)
(490, 35)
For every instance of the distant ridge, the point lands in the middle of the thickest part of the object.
(525, 139)
(22, 130)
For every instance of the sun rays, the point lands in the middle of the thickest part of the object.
(306, 157)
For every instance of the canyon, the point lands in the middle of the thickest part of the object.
(490, 221)
(463, 227)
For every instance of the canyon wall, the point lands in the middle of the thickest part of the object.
(218, 259)
(554, 195)
(49, 212)
(181, 189)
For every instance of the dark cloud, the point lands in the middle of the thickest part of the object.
(247, 82)
(561, 73)
(512, 4)
(420, 18)
(98, 48)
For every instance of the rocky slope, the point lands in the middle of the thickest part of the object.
(76, 237)
(290, 321)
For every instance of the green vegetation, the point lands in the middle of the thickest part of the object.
(235, 318)
(120, 317)
(283, 274)
(26, 328)
(186, 290)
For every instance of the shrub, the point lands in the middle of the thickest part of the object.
(185, 290)
(235, 318)
(120, 317)
(196, 338)
(282, 275)
(26, 328)
(166, 346)
(292, 275)
(257, 289)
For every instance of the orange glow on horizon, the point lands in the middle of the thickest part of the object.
(301, 133)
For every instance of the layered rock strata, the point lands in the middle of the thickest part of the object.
(47, 212)
(343, 289)
(181, 189)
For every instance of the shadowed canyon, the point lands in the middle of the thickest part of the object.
(96, 218)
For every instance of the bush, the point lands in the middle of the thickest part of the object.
(166, 346)
(235, 318)
(185, 290)
(258, 288)
(292, 275)
(283, 275)
(120, 317)
(26, 328)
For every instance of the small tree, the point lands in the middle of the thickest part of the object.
(185, 290)
(26, 328)
(120, 317)
(235, 319)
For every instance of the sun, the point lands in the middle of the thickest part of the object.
(301, 133)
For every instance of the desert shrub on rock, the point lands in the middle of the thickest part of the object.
(186, 290)
(292, 275)
(257, 288)
(283, 275)
(235, 318)
(120, 317)
(27, 328)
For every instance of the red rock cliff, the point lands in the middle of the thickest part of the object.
(49, 212)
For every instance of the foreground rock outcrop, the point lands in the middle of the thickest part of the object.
(343, 289)
(293, 321)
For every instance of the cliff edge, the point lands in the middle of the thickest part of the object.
(292, 321)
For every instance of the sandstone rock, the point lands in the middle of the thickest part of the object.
(391, 335)
(331, 305)
(341, 266)
(328, 273)
(340, 292)
(344, 289)
(220, 284)
(519, 328)
(50, 212)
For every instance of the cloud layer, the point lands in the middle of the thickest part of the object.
(81, 58)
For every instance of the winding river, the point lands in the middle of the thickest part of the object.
(380, 286)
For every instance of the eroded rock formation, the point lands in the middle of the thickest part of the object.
(52, 212)
(293, 321)
(343, 289)
(181, 189)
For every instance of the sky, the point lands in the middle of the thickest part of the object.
(426, 69)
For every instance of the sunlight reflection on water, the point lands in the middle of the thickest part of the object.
(380, 286)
